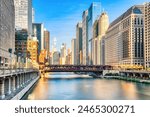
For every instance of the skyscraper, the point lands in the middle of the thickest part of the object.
(23, 15)
(21, 44)
(147, 35)
(38, 31)
(47, 40)
(85, 37)
(56, 58)
(73, 49)
(7, 32)
(99, 29)
(79, 43)
(93, 13)
(124, 40)
(63, 54)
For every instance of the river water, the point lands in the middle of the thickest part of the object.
(69, 86)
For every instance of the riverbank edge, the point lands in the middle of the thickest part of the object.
(25, 90)
(127, 79)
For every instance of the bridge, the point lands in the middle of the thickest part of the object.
(76, 68)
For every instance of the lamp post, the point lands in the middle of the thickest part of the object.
(10, 51)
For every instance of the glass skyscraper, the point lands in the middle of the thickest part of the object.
(93, 13)
(23, 15)
(38, 31)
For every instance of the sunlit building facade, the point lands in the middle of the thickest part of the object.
(124, 40)
(85, 37)
(32, 48)
(73, 52)
(78, 42)
(7, 32)
(23, 15)
(147, 35)
(99, 29)
(63, 54)
(38, 31)
(47, 40)
(21, 37)
(56, 58)
(93, 13)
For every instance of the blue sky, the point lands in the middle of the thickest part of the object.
(61, 16)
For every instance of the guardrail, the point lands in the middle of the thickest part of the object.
(4, 71)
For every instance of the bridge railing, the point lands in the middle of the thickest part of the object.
(77, 68)
(4, 71)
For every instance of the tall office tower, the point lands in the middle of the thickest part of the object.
(38, 31)
(33, 15)
(21, 44)
(78, 43)
(99, 29)
(68, 57)
(95, 43)
(63, 54)
(73, 53)
(32, 48)
(85, 37)
(56, 58)
(47, 40)
(93, 13)
(7, 32)
(124, 39)
(147, 35)
(103, 25)
(23, 15)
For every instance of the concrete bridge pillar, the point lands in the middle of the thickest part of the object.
(2, 90)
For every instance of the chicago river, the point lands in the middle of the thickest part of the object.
(69, 86)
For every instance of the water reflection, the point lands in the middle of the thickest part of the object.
(66, 86)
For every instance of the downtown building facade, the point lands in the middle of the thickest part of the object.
(63, 52)
(47, 44)
(73, 53)
(23, 28)
(99, 29)
(79, 43)
(23, 15)
(93, 13)
(124, 39)
(7, 32)
(38, 31)
(85, 37)
(147, 35)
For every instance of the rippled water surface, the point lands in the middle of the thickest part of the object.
(69, 86)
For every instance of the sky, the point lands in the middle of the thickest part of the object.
(61, 16)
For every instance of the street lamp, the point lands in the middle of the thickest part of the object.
(10, 51)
